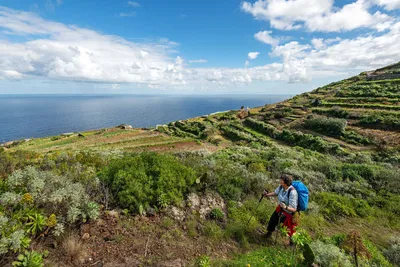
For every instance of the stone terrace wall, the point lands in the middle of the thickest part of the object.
(387, 76)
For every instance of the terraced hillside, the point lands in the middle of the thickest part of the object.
(129, 140)
(361, 113)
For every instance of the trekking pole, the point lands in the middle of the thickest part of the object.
(262, 196)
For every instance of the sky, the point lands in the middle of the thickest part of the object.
(191, 46)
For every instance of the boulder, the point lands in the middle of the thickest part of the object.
(175, 213)
(204, 204)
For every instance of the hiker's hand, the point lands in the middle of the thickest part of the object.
(283, 205)
(265, 193)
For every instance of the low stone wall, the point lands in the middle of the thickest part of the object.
(387, 76)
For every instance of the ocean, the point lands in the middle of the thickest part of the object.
(30, 116)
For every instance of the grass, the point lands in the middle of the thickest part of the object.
(114, 139)
(73, 249)
(264, 257)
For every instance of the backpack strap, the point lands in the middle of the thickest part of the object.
(290, 190)
(288, 195)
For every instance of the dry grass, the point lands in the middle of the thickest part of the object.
(73, 249)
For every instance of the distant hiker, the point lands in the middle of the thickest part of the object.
(287, 208)
(248, 111)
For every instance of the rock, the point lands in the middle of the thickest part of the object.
(99, 222)
(175, 213)
(151, 212)
(204, 204)
(85, 236)
(193, 201)
(174, 263)
(113, 213)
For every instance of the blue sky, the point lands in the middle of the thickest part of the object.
(191, 47)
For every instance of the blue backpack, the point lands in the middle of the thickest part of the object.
(302, 192)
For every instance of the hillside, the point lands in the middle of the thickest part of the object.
(361, 113)
(104, 198)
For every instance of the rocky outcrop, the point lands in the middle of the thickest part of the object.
(197, 204)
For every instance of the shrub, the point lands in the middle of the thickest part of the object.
(329, 126)
(167, 222)
(203, 261)
(355, 138)
(57, 137)
(35, 201)
(196, 128)
(329, 255)
(29, 259)
(213, 231)
(377, 259)
(216, 214)
(237, 135)
(148, 180)
(308, 141)
(333, 112)
(393, 252)
(294, 138)
(381, 121)
(242, 222)
(261, 127)
(334, 206)
(67, 199)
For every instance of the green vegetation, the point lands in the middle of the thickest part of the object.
(147, 180)
(29, 259)
(329, 126)
(295, 138)
(381, 121)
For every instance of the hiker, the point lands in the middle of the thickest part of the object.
(287, 208)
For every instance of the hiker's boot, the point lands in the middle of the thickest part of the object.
(291, 242)
(268, 235)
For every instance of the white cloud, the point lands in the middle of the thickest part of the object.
(285, 15)
(198, 61)
(56, 51)
(333, 57)
(11, 74)
(320, 15)
(134, 4)
(127, 14)
(318, 43)
(265, 37)
(253, 55)
(388, 4)
(351, 16)
(62, 52)
(246, 64)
